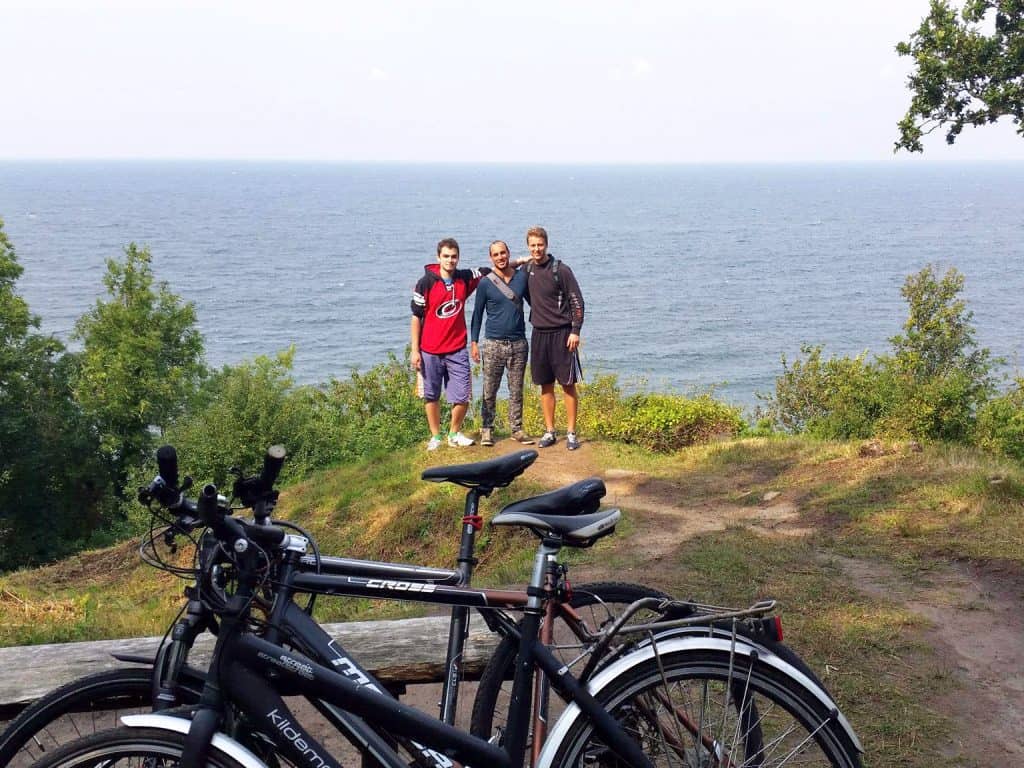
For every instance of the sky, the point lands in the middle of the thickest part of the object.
(401, 81)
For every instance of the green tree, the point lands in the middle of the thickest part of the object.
(963, 74)
(931, 385)
(141, 359)
(51, 487)
(938, 334)
(938, 376)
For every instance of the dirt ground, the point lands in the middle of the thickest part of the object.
(974, 617)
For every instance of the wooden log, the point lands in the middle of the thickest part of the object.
(405, 651)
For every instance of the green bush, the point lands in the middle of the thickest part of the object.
(837, 398)
(240, 411)
(244, 408)
(669, 422)
(600, 400)
(659, 422)
(942, 408)
(931, 387)
(1001, 423)
(373, 412)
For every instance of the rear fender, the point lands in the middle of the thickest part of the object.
(684, 643)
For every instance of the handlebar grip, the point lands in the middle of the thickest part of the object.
(273, 460)
(206, 505)
(167, 463)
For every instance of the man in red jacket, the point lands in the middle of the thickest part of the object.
(437, 340)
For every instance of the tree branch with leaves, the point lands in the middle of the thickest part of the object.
(968, 69)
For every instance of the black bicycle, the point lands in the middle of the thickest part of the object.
(688, 700)
(98, 701)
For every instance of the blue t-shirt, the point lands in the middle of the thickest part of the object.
(505, 318)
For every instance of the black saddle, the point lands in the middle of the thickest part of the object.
(572, 530)
(580, 498)
(493, 473)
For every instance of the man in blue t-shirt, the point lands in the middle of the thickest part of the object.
(500, 296)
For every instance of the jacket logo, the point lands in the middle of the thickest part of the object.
(450, 308)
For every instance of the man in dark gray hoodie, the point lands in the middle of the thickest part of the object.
(556, 314)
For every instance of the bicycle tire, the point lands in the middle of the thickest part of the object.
(129, 748)
(83, 706)
(607, 599)
(683, 709)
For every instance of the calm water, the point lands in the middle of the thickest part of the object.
(693, 276)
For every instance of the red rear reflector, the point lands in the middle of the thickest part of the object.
(778, 628)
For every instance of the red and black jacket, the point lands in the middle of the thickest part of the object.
(442, 308)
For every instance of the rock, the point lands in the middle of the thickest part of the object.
(771, 495)
(872, 449)
(620, 474)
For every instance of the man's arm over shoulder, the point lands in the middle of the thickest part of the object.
(574, 296)
(472, 277)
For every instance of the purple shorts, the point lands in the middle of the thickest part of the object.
(450, 371)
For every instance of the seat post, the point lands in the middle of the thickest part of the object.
(545, 559)
(458, 630)
(471, 523)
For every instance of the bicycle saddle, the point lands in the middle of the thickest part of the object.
(493, 473)
(573, 530)
(580, 498)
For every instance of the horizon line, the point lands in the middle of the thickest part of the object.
(904, 158)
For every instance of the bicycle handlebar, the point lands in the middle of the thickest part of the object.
(206, 509)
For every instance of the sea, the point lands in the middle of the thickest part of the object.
(695, 277)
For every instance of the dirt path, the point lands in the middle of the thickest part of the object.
(976, 626)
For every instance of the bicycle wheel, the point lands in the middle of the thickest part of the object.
(598, 604)
(129, 748)
(80, 708)
(708, 708)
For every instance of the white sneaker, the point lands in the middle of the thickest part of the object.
(459, 440)
(434, 443)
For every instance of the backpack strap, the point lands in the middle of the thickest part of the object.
(554, 275)
(507, 292)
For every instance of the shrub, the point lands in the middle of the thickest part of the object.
(373, 412)
(1001, 423)
(246, 407)
(938, 408)
(837, 398)
(661, 422)
(930, 387)
(240, 411)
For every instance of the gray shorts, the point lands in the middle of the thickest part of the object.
(450, 371)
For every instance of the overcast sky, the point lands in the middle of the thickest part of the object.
(383, 80)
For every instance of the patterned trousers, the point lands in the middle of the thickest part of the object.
(499, 354)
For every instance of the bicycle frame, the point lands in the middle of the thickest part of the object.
(256, 672)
